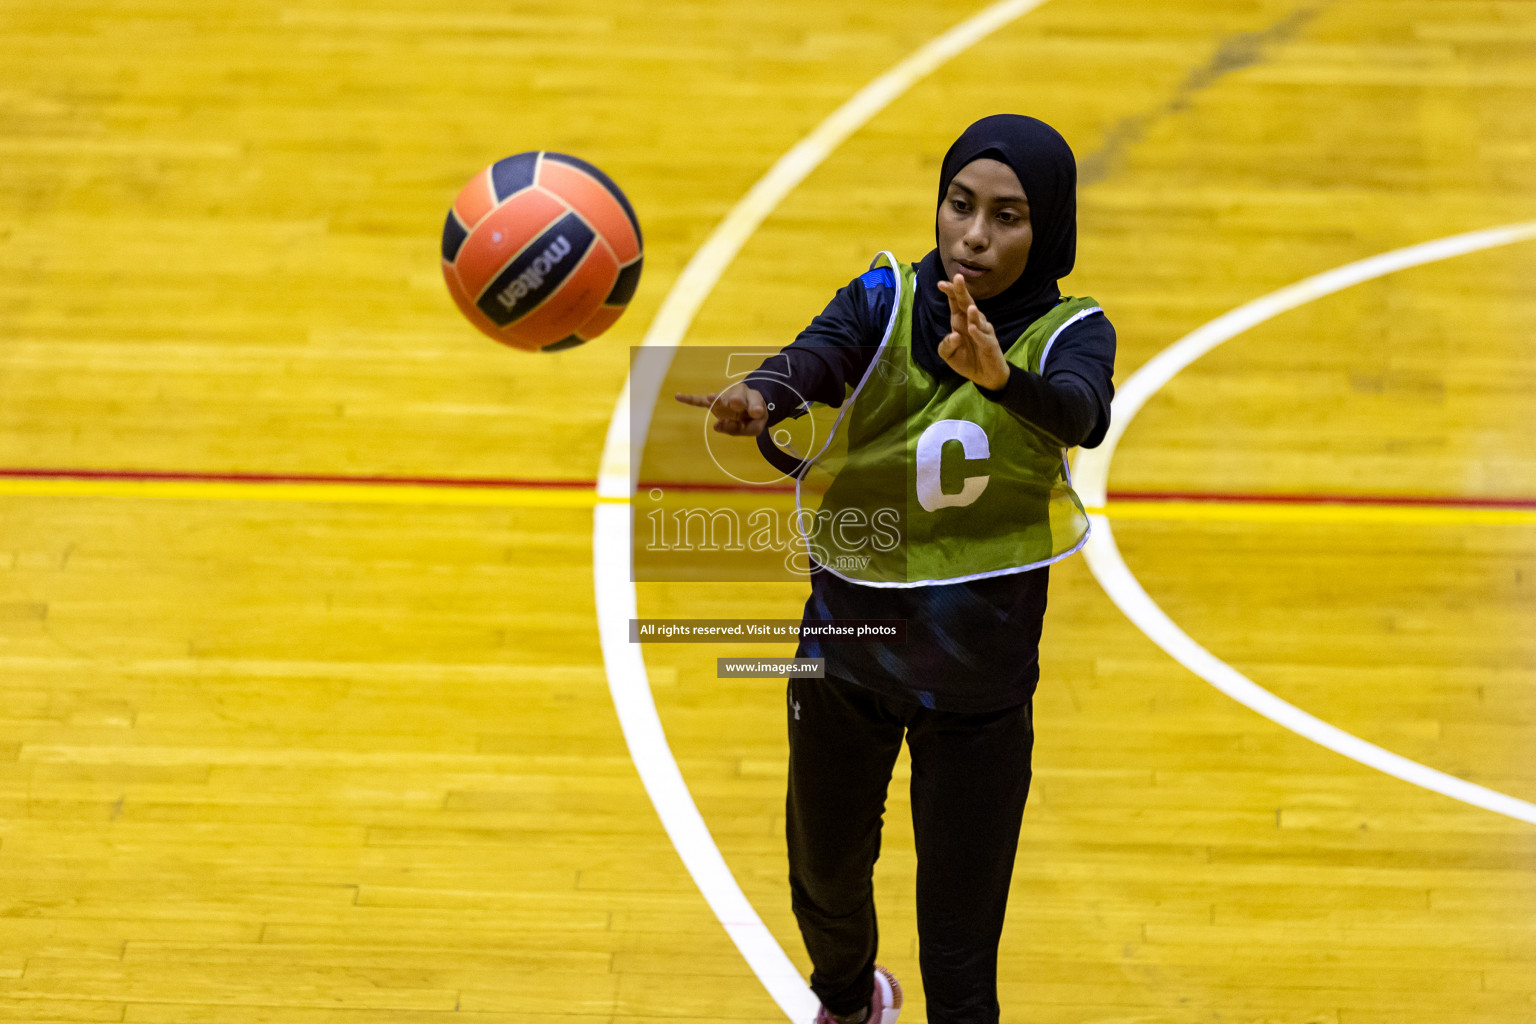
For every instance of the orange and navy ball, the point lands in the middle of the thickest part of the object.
(541, 251)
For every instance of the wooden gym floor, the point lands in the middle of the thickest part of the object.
(322, 752)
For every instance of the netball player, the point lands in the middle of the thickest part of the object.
(975, 344)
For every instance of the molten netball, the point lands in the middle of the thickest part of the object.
(541, 251)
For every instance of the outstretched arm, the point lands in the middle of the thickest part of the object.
(832, 352)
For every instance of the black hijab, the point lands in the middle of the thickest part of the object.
(1045, 167)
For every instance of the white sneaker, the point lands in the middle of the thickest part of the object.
(887, 1001)
(884, 1004)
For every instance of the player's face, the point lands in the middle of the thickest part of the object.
(984, 230)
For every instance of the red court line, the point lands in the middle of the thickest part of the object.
(688, 485)
(507, 483)
(501, 483)
(534, 483)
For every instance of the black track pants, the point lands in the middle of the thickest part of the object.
(970, 778)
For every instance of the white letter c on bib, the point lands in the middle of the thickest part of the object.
(930, 449)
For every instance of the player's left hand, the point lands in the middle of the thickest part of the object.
(971, 346)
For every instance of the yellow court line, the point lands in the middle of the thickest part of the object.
(580, 497)
(334, 493)
(1287, 512)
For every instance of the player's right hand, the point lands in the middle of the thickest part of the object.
(739, 410)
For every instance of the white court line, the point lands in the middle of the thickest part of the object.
(611, 554)
(1091, 478)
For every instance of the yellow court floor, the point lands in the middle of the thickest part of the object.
(294, 731)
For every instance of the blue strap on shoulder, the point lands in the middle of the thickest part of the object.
(880, 277)
(879, 291)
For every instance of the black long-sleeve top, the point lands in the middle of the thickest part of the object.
(971, 646)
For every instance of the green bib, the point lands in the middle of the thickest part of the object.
(925, 482)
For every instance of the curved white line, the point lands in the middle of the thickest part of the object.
(611, 554)
(1104, 558)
